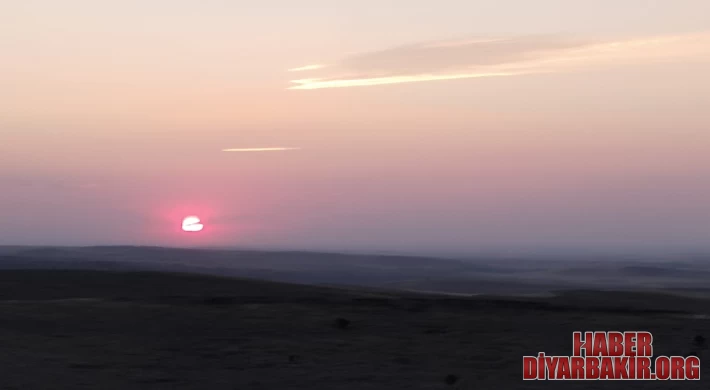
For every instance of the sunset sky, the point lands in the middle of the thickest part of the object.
(401, 125)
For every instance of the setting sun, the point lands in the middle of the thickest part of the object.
(192, 224)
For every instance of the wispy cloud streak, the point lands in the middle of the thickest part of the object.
(495, 57)
(319, 84)
(307, 67)
(259, 149)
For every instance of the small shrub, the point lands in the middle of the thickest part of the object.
(451, 379)
(699, 341)
(341, 323)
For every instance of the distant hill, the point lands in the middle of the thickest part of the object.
(467, 276)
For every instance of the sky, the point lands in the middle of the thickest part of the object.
(399, 125)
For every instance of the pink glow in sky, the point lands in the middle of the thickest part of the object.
(401, 125)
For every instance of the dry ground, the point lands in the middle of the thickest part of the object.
(130, 330)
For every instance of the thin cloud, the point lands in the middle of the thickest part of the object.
(307, 67)
(278, 149)
(45, 182)
(495, 57)
(319, 84)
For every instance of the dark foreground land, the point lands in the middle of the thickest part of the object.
(145, 330)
